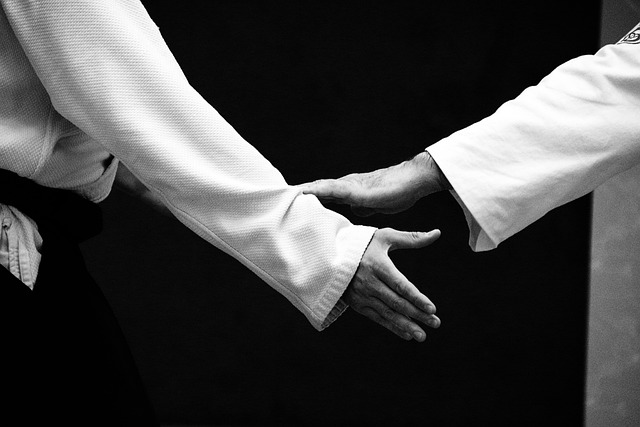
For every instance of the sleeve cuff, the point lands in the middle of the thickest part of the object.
(479, 239)
(353, 242)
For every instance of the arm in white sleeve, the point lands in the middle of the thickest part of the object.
(108, 71)
(555, 142)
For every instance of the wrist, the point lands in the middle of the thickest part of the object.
(431, 177)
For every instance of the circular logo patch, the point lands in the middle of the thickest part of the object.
(632, 38)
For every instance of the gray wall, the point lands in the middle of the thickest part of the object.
(613, 381)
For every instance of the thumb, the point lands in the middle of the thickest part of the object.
(409, 239)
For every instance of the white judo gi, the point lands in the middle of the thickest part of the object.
(555, 142)
(85, 84)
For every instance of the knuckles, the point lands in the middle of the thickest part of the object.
(415, 236)
(397, 305)
(389, 314)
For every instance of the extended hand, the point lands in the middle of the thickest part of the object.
(382, 293)
(389, 190)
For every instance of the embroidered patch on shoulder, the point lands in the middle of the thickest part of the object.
(633, 37)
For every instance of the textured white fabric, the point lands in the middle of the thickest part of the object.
(36, 141)
(89, 79)
(555, 142)
(20, 245)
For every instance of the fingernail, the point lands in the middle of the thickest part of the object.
(433, 233)
(430, 309)
(418, 335)
(433, 323)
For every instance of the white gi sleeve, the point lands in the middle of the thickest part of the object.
(555, 142)
(108, 71)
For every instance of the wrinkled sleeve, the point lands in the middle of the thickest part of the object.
(555, 142)
(107, 70)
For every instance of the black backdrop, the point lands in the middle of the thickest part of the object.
(323, 89)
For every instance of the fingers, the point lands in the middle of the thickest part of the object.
(398, 283)
(383, 294)
(408, 239)
(373, 315)
(402, 304)
(394, 279)
(329, 189)
(374, 295)
(397, 323)
(399, 320)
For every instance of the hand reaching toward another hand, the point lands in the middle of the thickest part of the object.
(379, 290)
(383, 294)
(389, 190)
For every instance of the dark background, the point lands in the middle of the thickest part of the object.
(323, 89)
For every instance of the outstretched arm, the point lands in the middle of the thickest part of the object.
(108, 72)
(378, 290)
(555, 142)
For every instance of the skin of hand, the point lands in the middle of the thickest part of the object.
(388, 190)
(383, 294)
(378, 290)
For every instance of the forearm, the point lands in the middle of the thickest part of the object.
(108, 71)
(552, 144)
